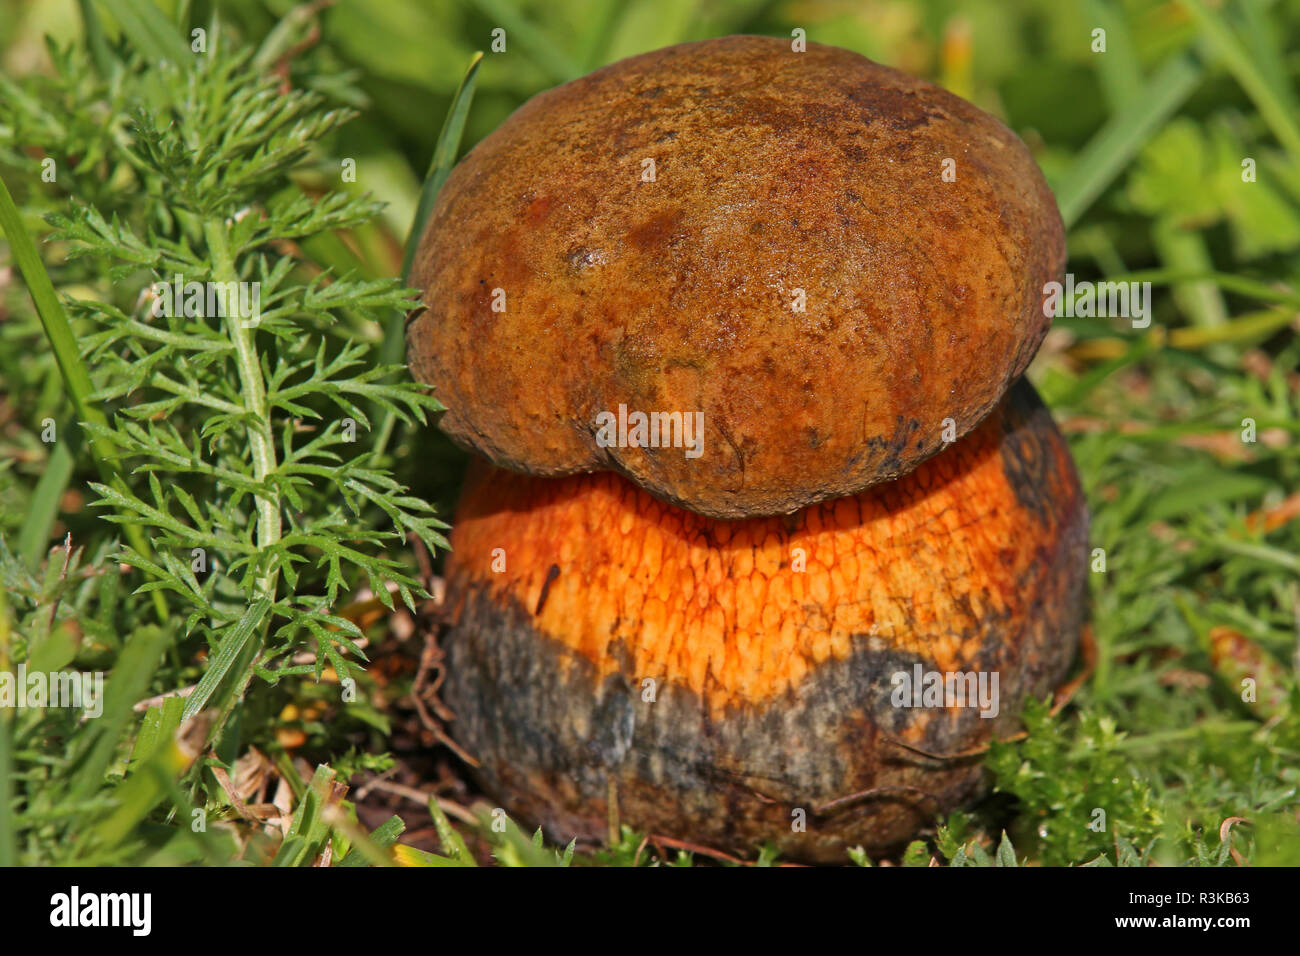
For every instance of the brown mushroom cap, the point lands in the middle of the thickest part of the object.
(778, 178)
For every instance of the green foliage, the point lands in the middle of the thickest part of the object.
(245, 434)
(224, 167)
(1204, 165)
(1061, 777)
(69, 794)
(973, 853)
(916, 854)
(249, 418)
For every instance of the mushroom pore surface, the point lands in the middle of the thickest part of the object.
(770, 647)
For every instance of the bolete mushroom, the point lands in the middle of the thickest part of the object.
(807, 274)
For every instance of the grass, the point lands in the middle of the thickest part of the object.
(1181, 747)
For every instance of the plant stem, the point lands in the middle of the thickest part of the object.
(261, 447)
(253, 388)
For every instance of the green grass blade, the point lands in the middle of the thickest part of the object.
(50, 310)
(1240, 285)
(292, 852)
(1275, 102)
(312, 824)
(1072, 393)
(410, 856)
(309, 829)
(1264, 553)
(601, 23)
(1249, 328)
(1186, 250)
(453, 844)
(128, 683)
(76, 379)
(101, 53)
(1261, 36)
(650, 25)
(1117, 69)
(1119, 140)
(138, 795)
(231, 648)
(8, 826)
(156, 730)
(150, 32)
(8, 830)
(444, 158)
(540, 48)
(43, 509)
(379, 839)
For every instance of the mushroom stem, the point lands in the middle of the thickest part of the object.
(731, 676)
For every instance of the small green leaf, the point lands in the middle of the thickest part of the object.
(916, 854)
(1006, 853)
(453, 844)
(383, 836)
(159, 726)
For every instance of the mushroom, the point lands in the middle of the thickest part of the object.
(736, 328)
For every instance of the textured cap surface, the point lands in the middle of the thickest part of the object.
(761, 241)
